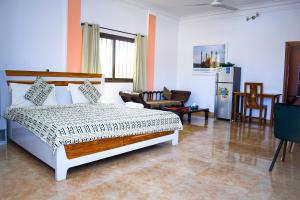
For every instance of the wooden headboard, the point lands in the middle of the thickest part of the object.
(60, 79)
(16, 73)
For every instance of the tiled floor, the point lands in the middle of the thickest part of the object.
(217, 161)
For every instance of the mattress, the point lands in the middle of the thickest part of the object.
(69, 124)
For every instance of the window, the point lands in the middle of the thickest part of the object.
(116, 55)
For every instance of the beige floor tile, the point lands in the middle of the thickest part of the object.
(219, 160)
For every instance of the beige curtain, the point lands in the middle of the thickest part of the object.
(140, 63)
(90, 62)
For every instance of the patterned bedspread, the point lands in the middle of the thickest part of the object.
(69, 124)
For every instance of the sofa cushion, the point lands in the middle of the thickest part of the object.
(167, 93)
(157, 104)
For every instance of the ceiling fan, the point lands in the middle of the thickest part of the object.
(215, 3)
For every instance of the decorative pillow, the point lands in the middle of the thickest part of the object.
(78, 97)
(38, 92)
(167, 93)
(18, 92)
(90, 92)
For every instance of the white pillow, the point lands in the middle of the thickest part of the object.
(18, 92)
(131, 104)
(78, 96)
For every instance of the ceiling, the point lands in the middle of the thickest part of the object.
(178, 7)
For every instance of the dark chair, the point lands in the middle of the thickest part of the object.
(286, 127)
(254, 100)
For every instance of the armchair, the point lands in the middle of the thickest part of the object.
(286, 127)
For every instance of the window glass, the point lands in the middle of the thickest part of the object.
(106, 57)
(124, 59)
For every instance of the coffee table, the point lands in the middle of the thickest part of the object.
(181, 111)
(205, 110)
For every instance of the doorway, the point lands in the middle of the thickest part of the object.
(291, 87)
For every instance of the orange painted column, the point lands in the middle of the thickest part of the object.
(151, 50)
(74, 36)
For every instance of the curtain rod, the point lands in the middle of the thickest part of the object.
(114, 30)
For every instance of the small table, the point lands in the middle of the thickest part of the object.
(273, 97)
(181, 111)
(205, 110)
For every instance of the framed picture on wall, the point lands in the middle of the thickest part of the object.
(206, 58)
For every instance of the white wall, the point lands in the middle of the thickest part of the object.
(115, 15)
(165, 53)
(33, 34)
(256, 46)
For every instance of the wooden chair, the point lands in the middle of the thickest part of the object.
(254, 100)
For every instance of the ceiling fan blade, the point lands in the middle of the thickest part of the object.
(197, 4)
(227, 7)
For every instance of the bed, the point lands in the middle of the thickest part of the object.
(70, 149)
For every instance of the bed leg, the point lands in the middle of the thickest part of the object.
(61, 168)
(175, 138)
(61, 174)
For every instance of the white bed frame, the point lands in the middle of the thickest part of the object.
(59, 161)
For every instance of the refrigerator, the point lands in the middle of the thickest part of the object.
(227, 81)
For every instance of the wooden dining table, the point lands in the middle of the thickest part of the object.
(274, 99)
